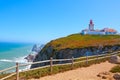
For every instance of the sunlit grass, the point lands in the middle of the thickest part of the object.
(82, 41)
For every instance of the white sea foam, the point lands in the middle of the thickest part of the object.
(6, 60)
(19, 60)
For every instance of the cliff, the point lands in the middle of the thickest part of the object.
(37, 48)
(77, 45)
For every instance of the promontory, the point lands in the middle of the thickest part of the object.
(78, 45)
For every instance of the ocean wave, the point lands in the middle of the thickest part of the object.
(19, 60)
(6, 60)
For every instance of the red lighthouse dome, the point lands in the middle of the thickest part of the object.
(91, 25)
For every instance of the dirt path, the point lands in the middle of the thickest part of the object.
(88, 73)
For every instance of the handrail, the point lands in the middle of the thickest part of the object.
(61, 64)
(34, 63)
(61, 59)
(7, 69)
(35, 68)
(85, 57)
(8, 76)
(54, 60)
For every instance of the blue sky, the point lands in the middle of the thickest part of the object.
(45, 20)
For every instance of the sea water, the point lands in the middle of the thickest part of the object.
(10, 53)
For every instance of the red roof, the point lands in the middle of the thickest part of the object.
(109, 30)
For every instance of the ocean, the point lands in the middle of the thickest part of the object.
(10, 53)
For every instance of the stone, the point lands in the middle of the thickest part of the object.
(116, 76)
(30, 57)
(37, 48)
(115, 59)
(105, 75)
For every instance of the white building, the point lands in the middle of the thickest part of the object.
(92, 31)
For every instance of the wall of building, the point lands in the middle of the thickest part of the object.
(96, 32)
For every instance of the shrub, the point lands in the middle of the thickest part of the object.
(115, 69)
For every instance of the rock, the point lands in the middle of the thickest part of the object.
(116, 76)
(105, 75)
(37, 48)
(30, 57)
(50, 51)
(115, 59)
(34, 48)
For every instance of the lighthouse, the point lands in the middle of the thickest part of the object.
(91, 26)
(92, 31)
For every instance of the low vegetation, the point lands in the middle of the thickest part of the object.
(115, 69)
(61, 68)
(56, 69)
(84, 41)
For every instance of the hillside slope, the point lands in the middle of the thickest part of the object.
(82, 41)
(77, 45)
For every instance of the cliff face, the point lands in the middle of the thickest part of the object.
(78, 46)
(37, 48)
(69, 53)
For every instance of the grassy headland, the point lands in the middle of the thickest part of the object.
(83, 41)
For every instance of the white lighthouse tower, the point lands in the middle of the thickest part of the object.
(91, 26)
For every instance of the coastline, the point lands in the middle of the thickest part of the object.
(13, 54)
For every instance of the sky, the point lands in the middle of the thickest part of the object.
(45, 20)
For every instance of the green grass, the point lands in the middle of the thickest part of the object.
(84, 41)
(115, 69)
(3, 75)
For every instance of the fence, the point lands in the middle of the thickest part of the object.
(72, 62)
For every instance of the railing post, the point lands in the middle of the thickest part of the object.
(87, 60)
(111, 54)
(51, 63)
(17, 71)
(97, 57)
(105, 55)
(72, 61)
